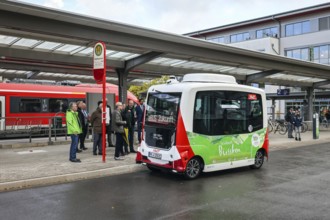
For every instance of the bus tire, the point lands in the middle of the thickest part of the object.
(194, 168)
(259, 160)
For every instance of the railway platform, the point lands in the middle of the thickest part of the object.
(24, 165)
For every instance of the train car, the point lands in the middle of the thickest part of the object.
(32, 105)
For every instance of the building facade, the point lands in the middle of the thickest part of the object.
(300, 34)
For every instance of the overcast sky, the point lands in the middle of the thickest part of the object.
(177, 16)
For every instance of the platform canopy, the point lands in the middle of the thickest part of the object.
(42, 43)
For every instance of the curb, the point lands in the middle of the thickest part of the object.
(279, 146)
(66, 178)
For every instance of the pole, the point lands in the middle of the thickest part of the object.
(103, 119)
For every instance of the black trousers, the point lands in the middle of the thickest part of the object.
(119, 144)
(82, 137)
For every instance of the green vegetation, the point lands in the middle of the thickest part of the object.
(136, 90)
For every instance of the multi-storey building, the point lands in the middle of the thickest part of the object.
(301, 34)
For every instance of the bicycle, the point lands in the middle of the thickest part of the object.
(304, 127)
(281, 126)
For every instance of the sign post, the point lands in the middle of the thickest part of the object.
(99, 72)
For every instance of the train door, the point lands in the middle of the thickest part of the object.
(2, 113)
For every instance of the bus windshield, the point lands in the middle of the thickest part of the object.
(162, 108)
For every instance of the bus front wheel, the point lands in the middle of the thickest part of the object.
(193, 168)
(259, 160)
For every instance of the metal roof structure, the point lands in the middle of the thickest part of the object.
(42, 43)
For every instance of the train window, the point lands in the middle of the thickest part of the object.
(58, 105)
(30, 105)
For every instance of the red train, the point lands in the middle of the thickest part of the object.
(27, 105)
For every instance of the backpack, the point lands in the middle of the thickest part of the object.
(287, 117)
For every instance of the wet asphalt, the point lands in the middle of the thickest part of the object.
(293, 184)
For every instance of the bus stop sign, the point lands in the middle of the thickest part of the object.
(99, 62)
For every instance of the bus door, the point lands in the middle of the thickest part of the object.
(2, 113)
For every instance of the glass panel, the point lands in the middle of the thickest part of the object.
(162, 108)
(316, 53)
(30, 105)
(289, 30)
(221, 40)
(306, 27)
(86, 51)
(232, 38)
(267, 32)
(246, 36)
(48, 45)
(239, 37)
(161, 117)
(7, 39)
(67, 48)
(223, 113)
(58, 105)
(274, 32)
(304, 54)
(297, 29)
(324, 23)
(24, 42)
(324, 52)
(296, 54)
(289, 53)
(259, 34)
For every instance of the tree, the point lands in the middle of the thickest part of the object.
(136, 90)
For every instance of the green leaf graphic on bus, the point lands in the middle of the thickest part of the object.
(226, 148)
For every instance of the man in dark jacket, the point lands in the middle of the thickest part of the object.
(289, 118)
(96, 122)
(297, 120)
(83, 117)
(139, 109)
(129, 115)
(118, 128)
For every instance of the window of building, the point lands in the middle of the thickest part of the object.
(321, 54)
(239, 37)
(217, 39)
(297, 28)
(324, 23)
(267, 32)
(301, 54)
(227, 112)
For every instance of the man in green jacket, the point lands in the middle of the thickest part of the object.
(74, 129)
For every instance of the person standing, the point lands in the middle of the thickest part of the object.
(297, 121)
(118, 127)
(108, 122)
(73, 129)
(83, 117)
(139, 109)
(130, 117)
(96, 122)
(289, 119)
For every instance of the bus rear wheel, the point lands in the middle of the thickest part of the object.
(193, 168)
(259, 160)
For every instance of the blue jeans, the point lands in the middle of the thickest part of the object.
(97, 143)
(74, 146)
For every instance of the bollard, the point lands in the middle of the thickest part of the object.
(316, 126)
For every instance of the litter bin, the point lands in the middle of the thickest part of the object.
(316, 126)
